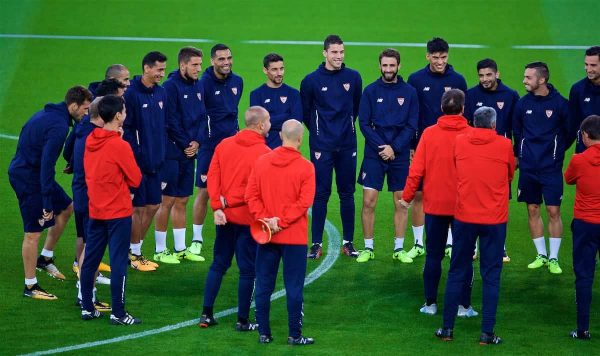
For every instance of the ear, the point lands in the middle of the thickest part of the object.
(325, 53)
(72, 107)
(497, 75)
(265, 70)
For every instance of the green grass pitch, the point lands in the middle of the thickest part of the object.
(366, 309)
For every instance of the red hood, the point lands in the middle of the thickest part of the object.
(248, 137)
(594, 154)
(452, 122)
(479, 136)
(99, 137)
(284, 156)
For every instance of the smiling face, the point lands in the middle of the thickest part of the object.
(592, 68)
(488, 78)
(274, 74)
(389, 69)
(191, 70)
(222, 63)
(437, 61)
(123, 78)
(154, 74)
(334, 56)
(532, 80)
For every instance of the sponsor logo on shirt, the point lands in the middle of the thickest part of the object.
(529, 112)
(479, 104)
(401, 101)
(160, 103)
(500, 104)
(380, 100)
(317, 155)
(267, 101)
(548, 113)
(324, 89)
(587, 100)
(347, 86)
(283, 99)
(234, 90)
(426, 89)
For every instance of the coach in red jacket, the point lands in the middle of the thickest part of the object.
(485, 165)
(280, 190)
(433, 164)
(583, 171)
(228, 175)
(110, 170)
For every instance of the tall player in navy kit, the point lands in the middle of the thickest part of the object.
(541, 137)
(491, 92)
(431, 83)
(584, 98)
(281, 101)
(330, 99)
(388, 116)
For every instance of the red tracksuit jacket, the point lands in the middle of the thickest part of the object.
(282, 185)
(584, 171)
(110, 169)
(228, 173)
(434, 163)
(485, 165)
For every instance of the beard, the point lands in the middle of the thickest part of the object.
(389, 77)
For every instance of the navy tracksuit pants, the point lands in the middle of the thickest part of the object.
(232, 239)
(491, 251)
(116, 233)
(344, 163)
(586, 244)
(294, 270)
(436, 230)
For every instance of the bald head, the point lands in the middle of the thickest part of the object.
(94, 108)
(255, 115)
(118, 72)
(291, 133)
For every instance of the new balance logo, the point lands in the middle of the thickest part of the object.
(145, 106)
(185, 96)
(426, 89)
(380, 100)
(324, 89)
(479, 104)
(267, 101)
(217, 92)
(587, 100)
(529, 112)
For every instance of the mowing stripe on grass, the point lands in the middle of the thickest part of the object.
(333, 250)
(550, 47)
(9, 137)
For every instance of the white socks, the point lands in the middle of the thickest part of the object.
(47, 253)
(398, 243)
(197, 232)
(540, 245)
(179, 238)
(449, 239)
(369, 243)
(161, 241)
(136, 249)
(418, 234)
(30, 281)
(554, 246)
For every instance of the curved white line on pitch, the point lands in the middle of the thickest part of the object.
(333, 248)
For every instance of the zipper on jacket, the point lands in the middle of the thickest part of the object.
(555, 145)
(137, 137)
(521, 149)
(209, 132)
(317, 121)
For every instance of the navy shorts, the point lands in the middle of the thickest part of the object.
(81, 223)
(179, 176)
(204, 158)
(533, 186)
(373, 172)
(30, 204)
(149, 192)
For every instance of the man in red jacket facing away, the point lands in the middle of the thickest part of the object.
(280, 190)
(583, 171)
(228, 174)
(433, 163)
(485, 165)
(110, 170)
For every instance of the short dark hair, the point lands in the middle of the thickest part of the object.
(591, 126)
(484, 117)
(487, 63)
(151, 58)
(593, 51)
(218, 47)
(332, 39)
(113, 70)
(390, 53)
(271, 58)
(78, 95)
(437, 44)
(109, 87)
(453, 102)
(541, 69)
(109, 106)
(186, 53)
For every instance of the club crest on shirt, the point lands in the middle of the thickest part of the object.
(447, 88)
(283, 99)
(401, 101)
(347, 86)
(317, 155)
(160, 103)
(41, 222)
(548, 113)
(199, 96)
(163, 185)
(203, 178)
(234, 90)
(500, 104)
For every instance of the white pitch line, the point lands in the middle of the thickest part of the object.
(105, 38)
(333, 251)
(9, 137)
(361, 44)
(550, 47)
